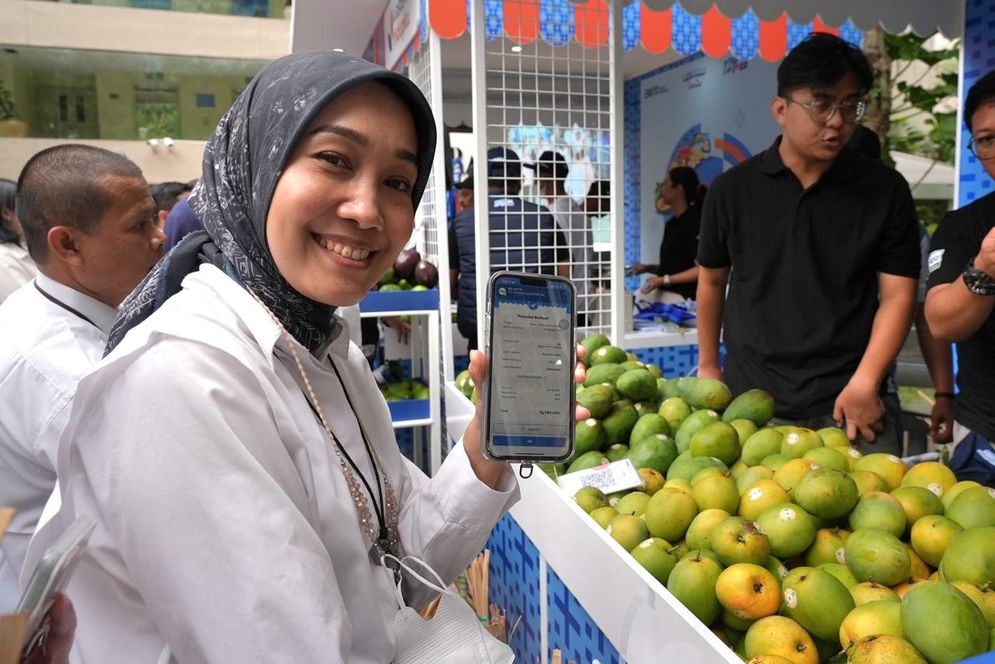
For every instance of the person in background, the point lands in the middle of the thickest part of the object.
(937, 355)
(89, 222)
(939, 358)
(960, 302)
(16, 266)
(464, 204)
(676, 277)
(166, 195)
(246, 514)
(819, 250)
(598, 201)
(551, 172)
(523, 238)
(180, 222)
(597, 205)
(464, 194)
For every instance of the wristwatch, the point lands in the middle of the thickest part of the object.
(666, 280)
(978, 281)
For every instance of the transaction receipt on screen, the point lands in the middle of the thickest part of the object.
(529, 374)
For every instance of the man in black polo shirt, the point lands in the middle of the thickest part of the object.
(819, 248)
(961, 296)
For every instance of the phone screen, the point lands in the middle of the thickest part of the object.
(529, 398)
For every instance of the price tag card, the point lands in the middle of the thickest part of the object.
(610, 477)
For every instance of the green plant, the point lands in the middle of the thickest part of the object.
(7, 109)
(158, 120)
(915, 103)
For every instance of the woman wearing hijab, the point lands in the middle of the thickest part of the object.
(677, 273)
(16, 267)
(233, 446)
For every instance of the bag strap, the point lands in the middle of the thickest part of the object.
(439, 586)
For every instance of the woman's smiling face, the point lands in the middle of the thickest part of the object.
(342, 209)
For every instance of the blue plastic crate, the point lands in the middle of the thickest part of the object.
(410, 409)
(378, 301)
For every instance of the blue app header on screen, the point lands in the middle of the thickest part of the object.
(511, 290)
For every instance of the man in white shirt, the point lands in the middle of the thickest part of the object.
(551, 172)
(88, 221)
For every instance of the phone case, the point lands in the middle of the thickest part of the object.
(52, 575)
(489, 452)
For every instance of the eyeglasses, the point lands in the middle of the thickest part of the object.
(823, 110)
(983, 148)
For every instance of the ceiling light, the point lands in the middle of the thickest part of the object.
(516, 49)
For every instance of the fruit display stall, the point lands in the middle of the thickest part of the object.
(745, 540)
(409, 292)
(573, 579)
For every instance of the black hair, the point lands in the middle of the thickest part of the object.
(64, 186)
(983, 91)
(165, 194)
(7, 190)
(600, 191)
(694, 190)
(599, 188)
(819, 61)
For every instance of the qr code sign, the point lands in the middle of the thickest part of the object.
(610, 478)
(602, 479)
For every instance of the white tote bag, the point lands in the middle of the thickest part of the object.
(453, 636)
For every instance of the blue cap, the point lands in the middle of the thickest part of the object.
(503, 163)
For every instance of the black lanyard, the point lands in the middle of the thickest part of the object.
(379, 510)
(65, 306)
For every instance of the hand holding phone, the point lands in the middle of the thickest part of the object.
(51, 577)
(61, 629)
(529, 392)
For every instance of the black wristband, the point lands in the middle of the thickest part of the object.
(944, 395)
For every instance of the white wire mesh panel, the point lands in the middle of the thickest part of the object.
(548, 111)
(426, 236)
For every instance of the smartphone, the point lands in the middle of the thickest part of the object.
(529, 394)
(51, 577)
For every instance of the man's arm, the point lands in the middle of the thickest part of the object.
(939, 361)
(688, 276)
(954, 312)
(858, 406)
(711, 302)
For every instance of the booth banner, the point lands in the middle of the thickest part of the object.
(400, 25)
(394, 42)
(709, 114)
(686, 29)
(978, 59)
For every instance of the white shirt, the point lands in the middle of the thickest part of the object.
(226, 532)
(16, 268)
(44, 350)
(577, 230)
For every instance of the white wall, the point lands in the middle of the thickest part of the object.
(181, 163)
(96, 27)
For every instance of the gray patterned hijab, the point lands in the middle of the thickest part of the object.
(242, 163)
